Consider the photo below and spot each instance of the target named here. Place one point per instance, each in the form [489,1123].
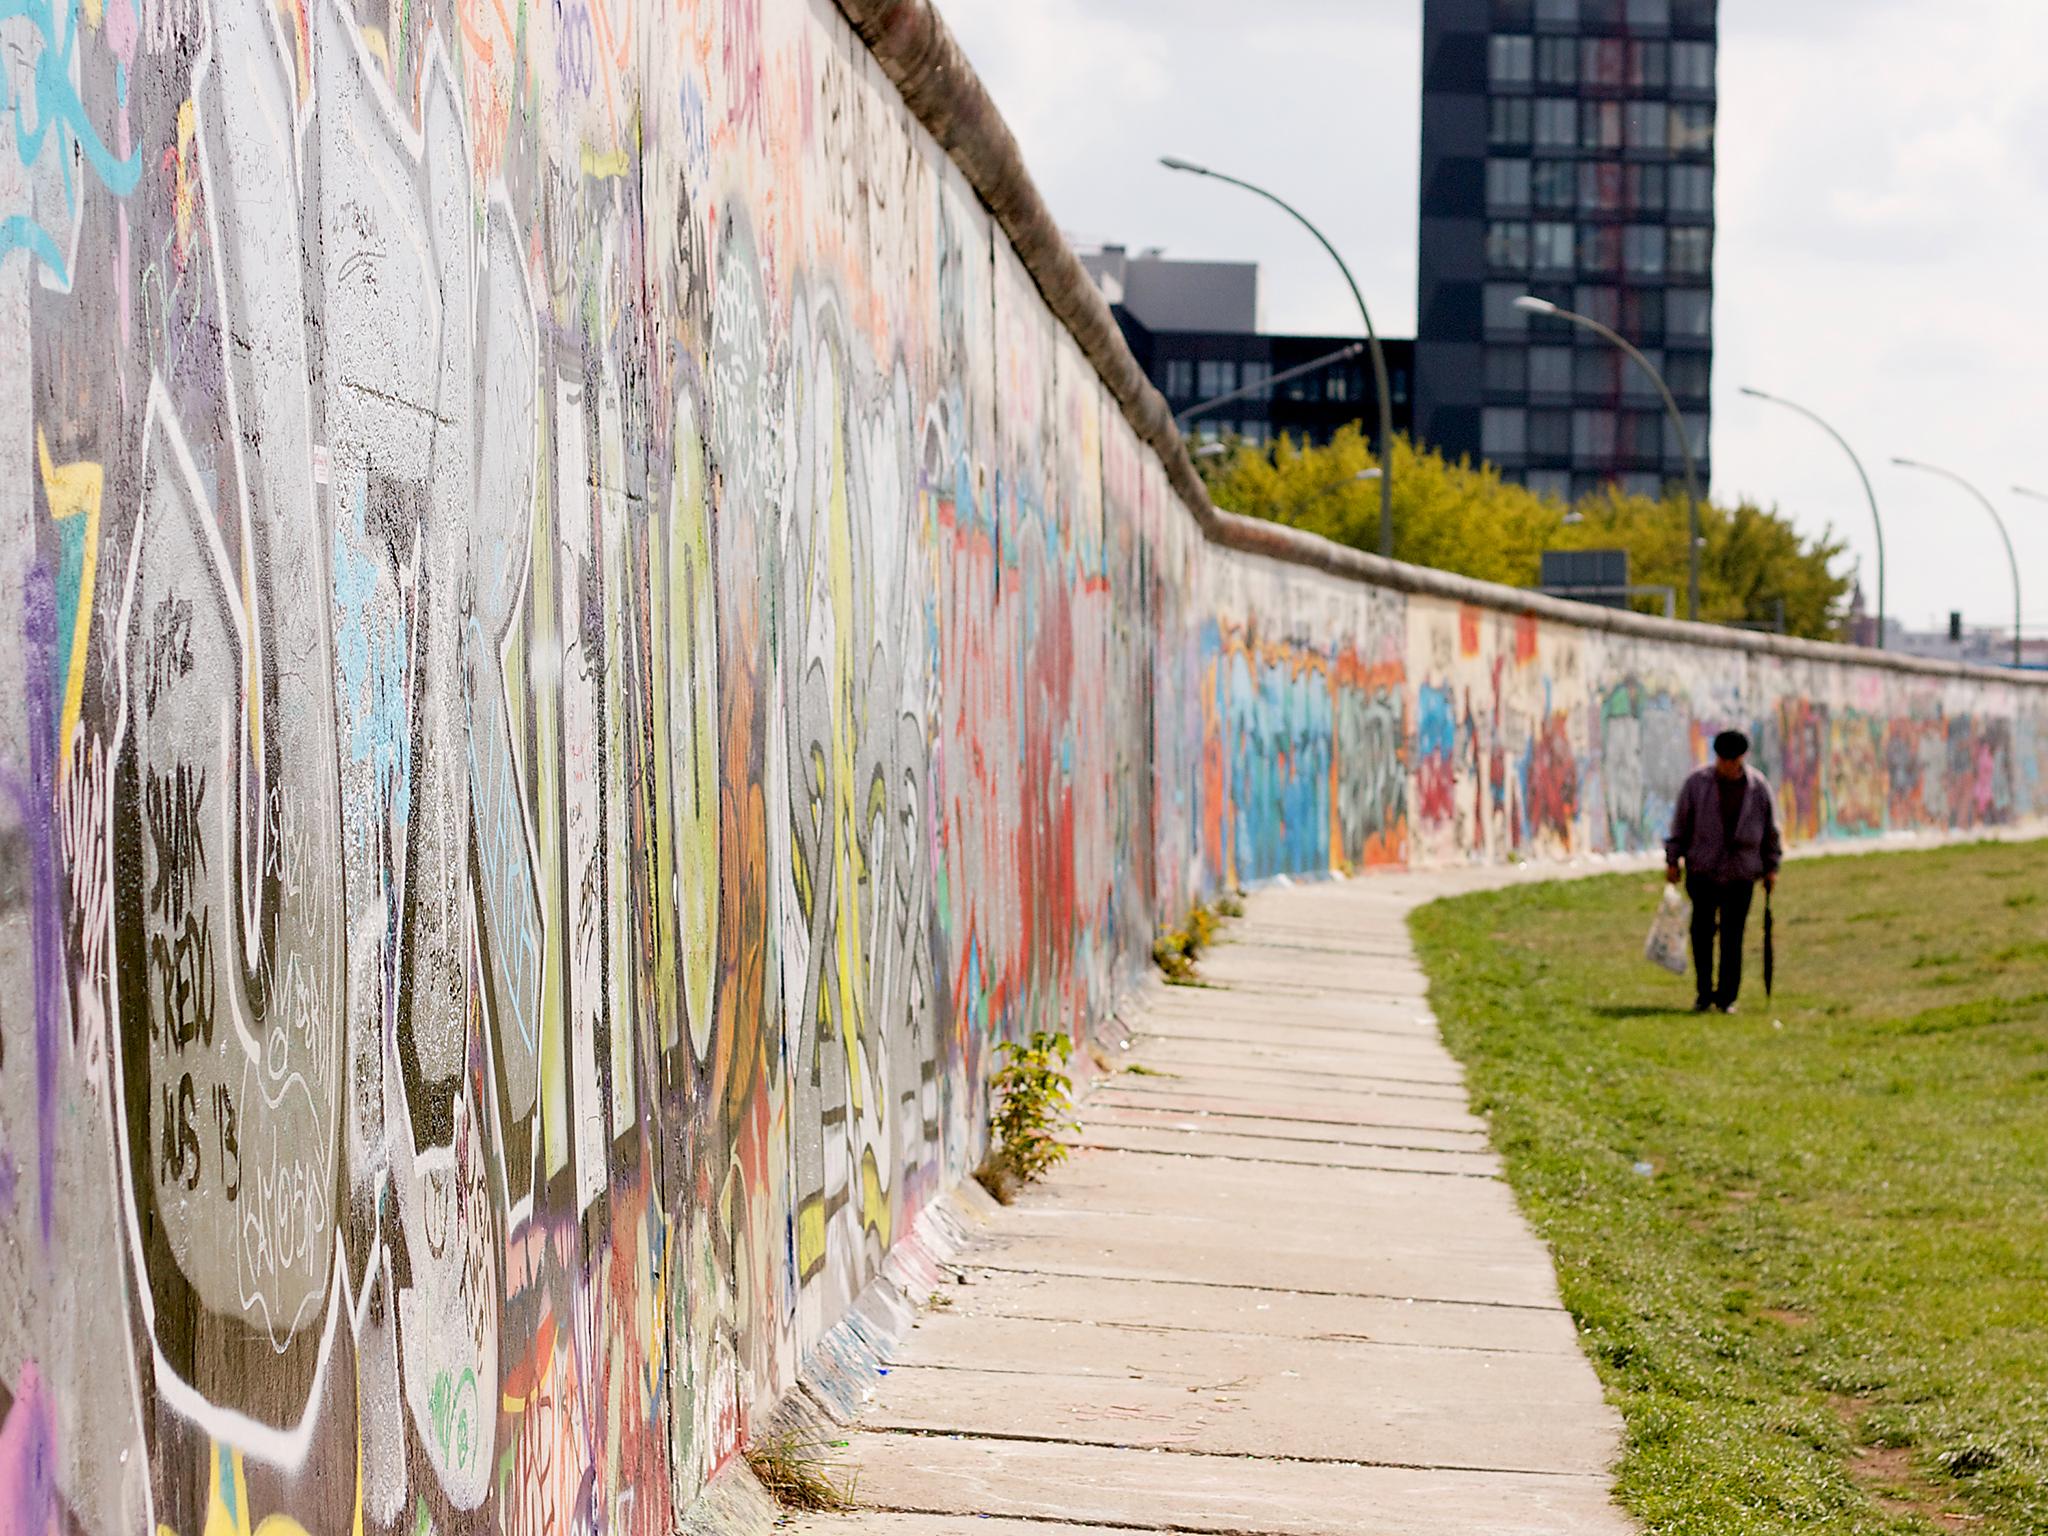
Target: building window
[1655,14]
[1599,125]
[1556,123]
[1180,378]
[1507,370]
[1557,13]
[1550,434]
[1645,189]
[1686,375]
[1646,125]
[1688,314]
[1641,436]
[1554,483]
[1635,384]
[1215,376]
[1599,186]
[1592,434]
[1599,248]
[1692,128]
[1511,15]
[1695,432]
[1507,245]
[1642,314]
[1642,250]
[1550,370]
[1255,376]
[1503,430]
[1596,371]
[1509,60]
[1646,63]
[1597,301]
[1260,432]
[1550,184]
[1500,311]
[1557,61]
[1508,120]
[1603,62]
[1693,15]
[1692,251]
[1692,188]
[1692,66]
[1507,183]
[1553,247]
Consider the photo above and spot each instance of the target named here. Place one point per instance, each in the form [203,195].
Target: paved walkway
[1281,1287]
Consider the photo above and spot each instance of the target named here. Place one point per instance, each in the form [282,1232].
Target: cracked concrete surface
[1279,1288]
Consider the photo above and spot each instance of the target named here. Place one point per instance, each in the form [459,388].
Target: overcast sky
[1883,217]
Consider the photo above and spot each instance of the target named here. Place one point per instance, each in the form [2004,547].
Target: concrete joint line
[1018,1437]
[1267,1290]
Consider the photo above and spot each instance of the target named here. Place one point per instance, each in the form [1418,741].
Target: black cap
[1730,745]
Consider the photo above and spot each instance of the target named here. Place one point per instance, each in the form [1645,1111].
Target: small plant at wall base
[1176,950]
[795,1475]
[1033,1094]
[1174,955]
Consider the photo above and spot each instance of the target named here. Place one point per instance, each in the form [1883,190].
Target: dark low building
[1193,327]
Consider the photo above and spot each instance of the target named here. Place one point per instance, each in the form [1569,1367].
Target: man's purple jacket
[1698,838]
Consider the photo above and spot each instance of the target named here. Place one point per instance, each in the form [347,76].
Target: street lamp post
[1999,522]
[1535,306]
[1372,340]
[1793,405]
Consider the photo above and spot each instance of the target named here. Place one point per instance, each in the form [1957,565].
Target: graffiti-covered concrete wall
[577,643]
[1349,724]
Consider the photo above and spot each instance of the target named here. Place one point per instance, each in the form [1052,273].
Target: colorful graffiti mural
[576,646]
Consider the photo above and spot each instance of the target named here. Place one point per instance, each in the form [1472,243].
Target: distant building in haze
[1567,152]
[1194,328]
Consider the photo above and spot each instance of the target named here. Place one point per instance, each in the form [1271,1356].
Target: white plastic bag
[1670,933]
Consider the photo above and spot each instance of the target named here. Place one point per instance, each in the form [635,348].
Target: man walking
[1725,832]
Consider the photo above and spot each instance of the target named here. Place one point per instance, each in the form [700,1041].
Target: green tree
[1463,517]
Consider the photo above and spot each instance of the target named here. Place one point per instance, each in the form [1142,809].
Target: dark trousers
[1722,905]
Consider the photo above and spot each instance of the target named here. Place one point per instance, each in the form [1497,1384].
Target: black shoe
[1703,1005]
[1727,1007]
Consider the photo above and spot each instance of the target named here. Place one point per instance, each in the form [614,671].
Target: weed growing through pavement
[1177,949]
[796,1475]
[1033,1094]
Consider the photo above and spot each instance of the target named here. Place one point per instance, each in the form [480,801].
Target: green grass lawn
[1825,1304]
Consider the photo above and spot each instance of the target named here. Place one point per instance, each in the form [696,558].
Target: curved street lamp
[1531,304]
[2011,558]
[1372,340]
[1793,405]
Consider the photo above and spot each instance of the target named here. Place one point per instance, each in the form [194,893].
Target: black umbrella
[1770,949]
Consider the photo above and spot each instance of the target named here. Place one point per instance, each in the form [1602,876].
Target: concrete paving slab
[1362,1106]
[1346,1203]
[1168,1116]
[1206,1142]
[1235,1393]
[1440,1408]
[1229,1495]
[1117,1246]
[1204,1307]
